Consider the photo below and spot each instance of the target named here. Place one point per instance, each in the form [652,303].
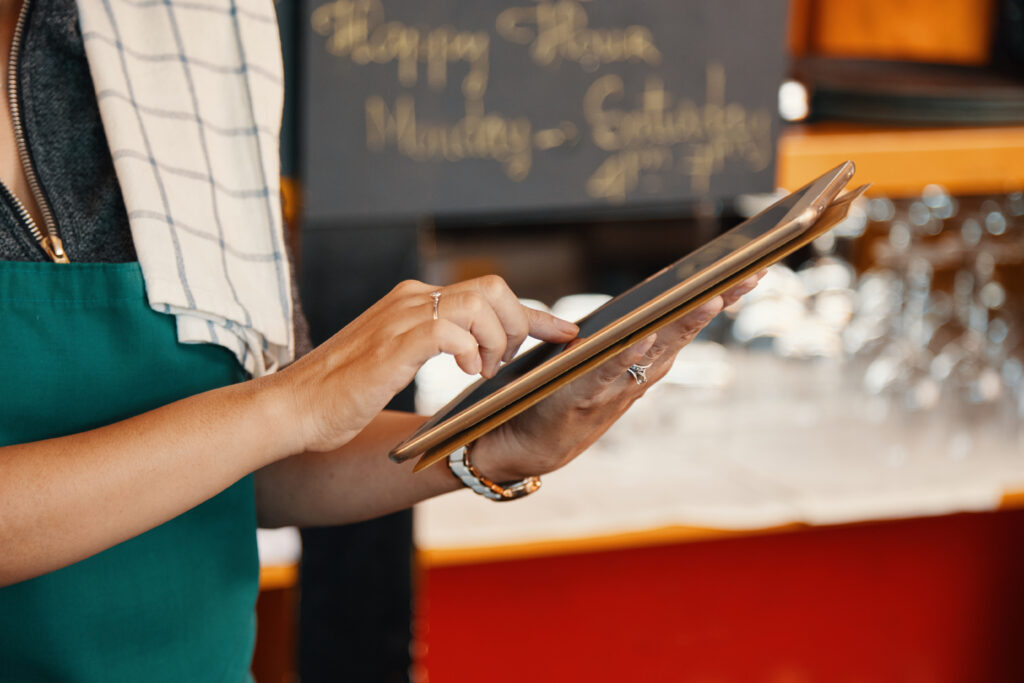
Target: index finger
[519,320]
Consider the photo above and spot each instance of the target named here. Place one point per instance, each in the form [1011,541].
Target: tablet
[785,226]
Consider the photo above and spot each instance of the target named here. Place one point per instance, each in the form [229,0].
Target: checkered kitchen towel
[190,93]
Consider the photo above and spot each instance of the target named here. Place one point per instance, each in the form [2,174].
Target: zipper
[45,235]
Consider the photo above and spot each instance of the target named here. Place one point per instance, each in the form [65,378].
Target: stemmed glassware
[937,327]
[932,328]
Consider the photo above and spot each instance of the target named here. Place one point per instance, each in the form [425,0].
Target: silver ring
[639,372]
[435,296]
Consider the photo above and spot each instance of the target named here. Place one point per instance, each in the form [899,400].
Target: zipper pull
[54,248]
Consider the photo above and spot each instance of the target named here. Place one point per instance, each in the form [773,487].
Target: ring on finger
[639,372]
[435,297]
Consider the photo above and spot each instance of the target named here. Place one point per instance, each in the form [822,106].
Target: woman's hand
[337,389]
[357,481]
[556,430]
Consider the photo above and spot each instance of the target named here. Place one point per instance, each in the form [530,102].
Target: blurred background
[829,485]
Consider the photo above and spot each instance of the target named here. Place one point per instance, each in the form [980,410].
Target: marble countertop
[783,442]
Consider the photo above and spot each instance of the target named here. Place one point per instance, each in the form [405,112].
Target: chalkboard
[454,107]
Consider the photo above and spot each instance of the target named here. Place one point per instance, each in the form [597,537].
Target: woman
[134,467]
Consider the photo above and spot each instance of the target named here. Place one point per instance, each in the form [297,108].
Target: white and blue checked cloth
[190,93]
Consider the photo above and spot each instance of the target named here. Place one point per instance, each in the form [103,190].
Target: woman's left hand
[556,430]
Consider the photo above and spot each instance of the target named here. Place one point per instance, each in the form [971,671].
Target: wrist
[275,416]
[460,465]
[492,463]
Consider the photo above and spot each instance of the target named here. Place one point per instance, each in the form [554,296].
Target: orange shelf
[446,557]
[275,577]
[899,162]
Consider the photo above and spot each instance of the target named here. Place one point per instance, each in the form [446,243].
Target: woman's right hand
[338,388]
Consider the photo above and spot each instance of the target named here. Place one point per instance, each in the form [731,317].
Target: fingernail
[566,326]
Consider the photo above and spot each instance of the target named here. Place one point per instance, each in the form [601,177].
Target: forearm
[350,484]
[64,499]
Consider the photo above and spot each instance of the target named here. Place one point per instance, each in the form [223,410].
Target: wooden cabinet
[951,31]
[900,161]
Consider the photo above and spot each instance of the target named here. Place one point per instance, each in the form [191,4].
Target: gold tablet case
[703,274]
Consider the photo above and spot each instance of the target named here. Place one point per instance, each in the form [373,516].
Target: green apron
[80,348]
